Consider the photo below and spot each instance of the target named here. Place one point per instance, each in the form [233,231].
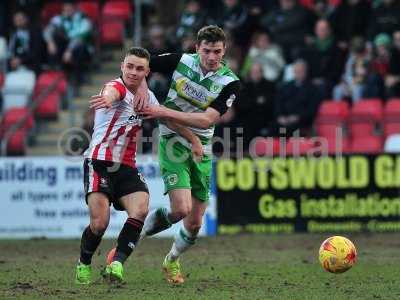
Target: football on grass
[337,254]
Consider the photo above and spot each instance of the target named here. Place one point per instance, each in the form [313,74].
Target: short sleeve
[227,96]
[119,87]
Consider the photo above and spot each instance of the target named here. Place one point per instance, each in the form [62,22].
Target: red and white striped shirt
[115,129]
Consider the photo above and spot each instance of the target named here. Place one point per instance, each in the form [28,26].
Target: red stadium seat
[299,146]
[391,119]
[16,144]
[266,146]
[390,128]
[364,116]
[367,144]
[49,10]
[48,78]
[13,116]
[117,9]
[91,9]
[112,32]
[330,110]
[49,107]
[331,116]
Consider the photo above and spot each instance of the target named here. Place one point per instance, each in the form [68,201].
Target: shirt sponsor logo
[188,91]
[134,120]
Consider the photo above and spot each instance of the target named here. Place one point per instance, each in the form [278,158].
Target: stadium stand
[391,118]
[375,119]
[367,144]
[18,88]
[331,117]
[365,116]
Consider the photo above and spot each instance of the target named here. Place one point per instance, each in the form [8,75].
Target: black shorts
[113,179]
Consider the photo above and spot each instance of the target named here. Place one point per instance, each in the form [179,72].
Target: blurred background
[313,65]
[326,69]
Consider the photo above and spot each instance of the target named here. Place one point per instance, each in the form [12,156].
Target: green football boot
[172,270]
[83,274]
[114,271]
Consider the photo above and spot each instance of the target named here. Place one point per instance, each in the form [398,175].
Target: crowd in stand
[290,54]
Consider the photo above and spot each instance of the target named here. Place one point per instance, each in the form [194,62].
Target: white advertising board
[44,197]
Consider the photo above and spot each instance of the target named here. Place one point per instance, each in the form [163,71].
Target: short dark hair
[139,52]
[211,34]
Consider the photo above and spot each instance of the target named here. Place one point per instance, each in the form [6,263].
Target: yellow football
[337,254]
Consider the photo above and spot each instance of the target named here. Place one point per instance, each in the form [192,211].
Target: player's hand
[141,99]
[197,150]
[152,111]
[100,101]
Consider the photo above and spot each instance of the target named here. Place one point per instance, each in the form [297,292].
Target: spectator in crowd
[385,18]
[254,111]
[358,81]
[158,44]
[381,54]
[5,18]
[68,37]
[325,58]
[289,26]
[191,20]
[25,45]
[350,19]
[233,18]
[157,41]
[392,79]
[267,54]
[188,43]
[296,102]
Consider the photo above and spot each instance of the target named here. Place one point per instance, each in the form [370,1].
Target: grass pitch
[225,267]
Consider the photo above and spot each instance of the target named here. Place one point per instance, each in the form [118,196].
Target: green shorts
[180,171]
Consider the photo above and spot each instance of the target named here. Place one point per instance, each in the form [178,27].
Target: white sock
[183,241]
[156,221]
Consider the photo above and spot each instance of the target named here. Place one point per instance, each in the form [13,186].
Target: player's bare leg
[184,239]
[136,205]
[160,219]
[99,210]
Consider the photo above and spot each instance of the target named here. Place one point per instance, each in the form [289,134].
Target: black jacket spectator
[289,26]
[191,20]
[296,102]
[325,58]
[351,19]
[392,80]
[254,112]
[25,45]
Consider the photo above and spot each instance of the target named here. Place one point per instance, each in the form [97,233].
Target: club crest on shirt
[171,179]
[215,88]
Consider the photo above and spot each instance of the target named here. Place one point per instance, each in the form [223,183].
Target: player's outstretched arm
[197,147]
[202,120]
[105,99]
